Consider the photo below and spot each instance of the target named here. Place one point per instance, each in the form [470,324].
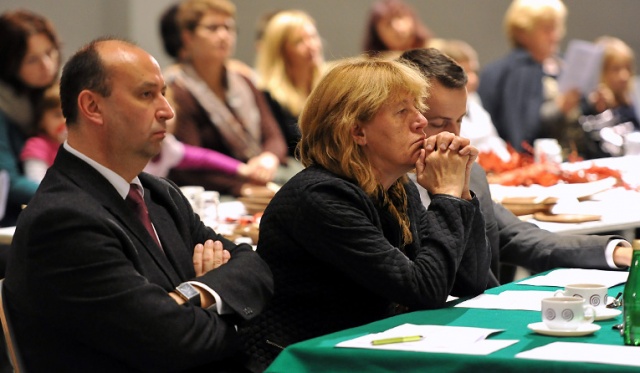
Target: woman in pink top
[39,151]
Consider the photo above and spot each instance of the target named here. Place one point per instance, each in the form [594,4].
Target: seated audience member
[217,108]
[124,288]
[172,43]
[347,239]
[393,26]
[289,64]
[39,151]
[175,154]
[520,90]
[513,241]
[612,99]
[476,124]
[29,63]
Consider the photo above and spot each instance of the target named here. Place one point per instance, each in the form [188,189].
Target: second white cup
[594,294]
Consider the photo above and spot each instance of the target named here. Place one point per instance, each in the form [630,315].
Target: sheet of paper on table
[529,300]
[436,338]
[566,276]
[584,352]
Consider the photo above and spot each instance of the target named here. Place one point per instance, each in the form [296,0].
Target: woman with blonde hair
[289,64]
[616,82]
[520,91]
[347,239]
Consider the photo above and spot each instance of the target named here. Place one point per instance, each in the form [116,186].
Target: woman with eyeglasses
[218,108]
[29,64]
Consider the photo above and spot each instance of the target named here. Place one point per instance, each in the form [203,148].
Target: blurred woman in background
[216,107]
[289,64]
[29,64]
[616,82]
[393,27]
[520,91]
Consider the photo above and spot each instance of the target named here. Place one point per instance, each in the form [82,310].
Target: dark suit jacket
[511,91]
[87,286]
[520,243]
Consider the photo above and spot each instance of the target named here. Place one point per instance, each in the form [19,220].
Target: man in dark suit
[512,241]
[88,286]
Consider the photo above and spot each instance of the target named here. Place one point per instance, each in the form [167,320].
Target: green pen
[386,341]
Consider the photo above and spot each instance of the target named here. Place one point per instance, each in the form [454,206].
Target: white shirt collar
[121,185]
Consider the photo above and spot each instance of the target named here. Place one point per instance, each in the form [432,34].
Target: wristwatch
[189,293]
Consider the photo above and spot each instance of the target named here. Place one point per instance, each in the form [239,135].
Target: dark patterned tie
[135,201]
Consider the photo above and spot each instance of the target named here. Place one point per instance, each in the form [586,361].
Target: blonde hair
[351,93]
[524,15]
[460,51]
[191,12]
[616,48]
[271,61]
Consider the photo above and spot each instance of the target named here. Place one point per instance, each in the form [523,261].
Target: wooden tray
[528,205]
[565,218]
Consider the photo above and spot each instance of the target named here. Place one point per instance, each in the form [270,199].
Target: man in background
[512,241]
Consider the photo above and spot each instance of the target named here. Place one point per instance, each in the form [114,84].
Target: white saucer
[541,328]
[606,313]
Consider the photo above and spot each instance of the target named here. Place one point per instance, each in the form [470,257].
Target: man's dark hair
[436,65]
[84,70]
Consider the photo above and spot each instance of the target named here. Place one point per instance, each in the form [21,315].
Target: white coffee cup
[547,150]
[210,204]
[193,193]
[594,294]
[566,313]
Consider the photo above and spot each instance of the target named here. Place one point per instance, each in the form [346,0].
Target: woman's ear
[359,134]
[89,106]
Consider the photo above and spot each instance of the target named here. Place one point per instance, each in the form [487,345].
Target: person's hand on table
[263,167]
[248,172]
[622,255]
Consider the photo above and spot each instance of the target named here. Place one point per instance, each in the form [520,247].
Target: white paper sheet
[583,62]
[566,276]
[585,352]
[529,300]
[436,338]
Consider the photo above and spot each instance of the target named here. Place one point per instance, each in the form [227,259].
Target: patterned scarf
[237,119]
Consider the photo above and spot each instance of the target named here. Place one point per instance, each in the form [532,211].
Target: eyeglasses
[214,27]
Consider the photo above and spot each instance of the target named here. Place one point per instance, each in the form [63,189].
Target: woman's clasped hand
[445,165]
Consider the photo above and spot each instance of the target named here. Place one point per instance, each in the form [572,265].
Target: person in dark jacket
[513,242]
[347,239]
[96,285]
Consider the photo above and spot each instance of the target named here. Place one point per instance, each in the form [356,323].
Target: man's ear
[89,106]
[359,134]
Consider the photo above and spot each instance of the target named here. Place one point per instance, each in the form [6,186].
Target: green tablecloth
[320,354]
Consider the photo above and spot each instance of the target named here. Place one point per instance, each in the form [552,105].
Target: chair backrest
[12,347]
[4,191]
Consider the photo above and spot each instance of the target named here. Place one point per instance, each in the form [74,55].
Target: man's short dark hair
[84,70]
[436,65]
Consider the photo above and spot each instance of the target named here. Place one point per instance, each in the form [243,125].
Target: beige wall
[340,22]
